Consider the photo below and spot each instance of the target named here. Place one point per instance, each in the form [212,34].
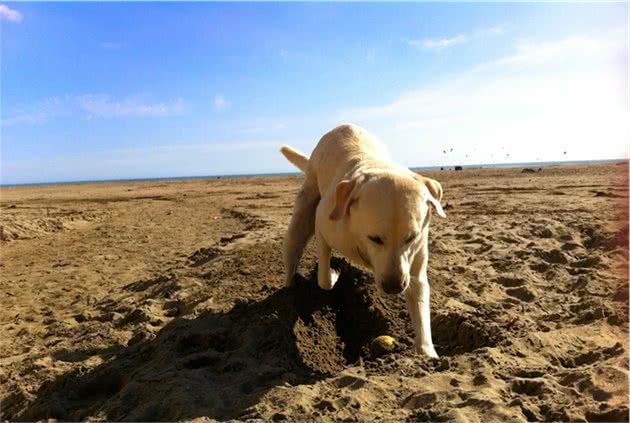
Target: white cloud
[438,43]
[220,103]
[547,98]
[579,48]
[8,14]
[446,42]
[91,106]
[103,106]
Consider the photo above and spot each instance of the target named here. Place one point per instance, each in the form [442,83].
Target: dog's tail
[298,159]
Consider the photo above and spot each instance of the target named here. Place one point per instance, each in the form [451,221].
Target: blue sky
[130,90]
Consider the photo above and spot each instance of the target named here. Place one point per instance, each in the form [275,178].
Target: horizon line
[271,174]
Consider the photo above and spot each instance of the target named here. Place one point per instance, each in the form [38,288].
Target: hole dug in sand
[457,333]
[338,325]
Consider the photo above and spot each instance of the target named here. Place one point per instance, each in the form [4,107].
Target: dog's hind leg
[301,228]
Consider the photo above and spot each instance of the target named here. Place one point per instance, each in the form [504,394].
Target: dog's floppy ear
[433,193]
[343,196]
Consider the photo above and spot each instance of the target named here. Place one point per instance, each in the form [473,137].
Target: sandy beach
[154,301]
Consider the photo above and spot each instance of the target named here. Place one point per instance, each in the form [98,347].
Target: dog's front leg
[418,304]
[326,277]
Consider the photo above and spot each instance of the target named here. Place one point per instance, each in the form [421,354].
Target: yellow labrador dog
[373,212]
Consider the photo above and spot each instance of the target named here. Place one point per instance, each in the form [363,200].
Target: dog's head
[388,214]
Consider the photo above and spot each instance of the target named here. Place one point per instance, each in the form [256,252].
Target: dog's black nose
[392,286]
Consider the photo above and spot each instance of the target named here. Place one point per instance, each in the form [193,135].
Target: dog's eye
[376,239]
[411,238]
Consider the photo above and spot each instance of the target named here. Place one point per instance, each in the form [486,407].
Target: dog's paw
[429,351]
[426,350]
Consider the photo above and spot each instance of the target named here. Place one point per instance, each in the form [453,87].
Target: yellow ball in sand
[383,345]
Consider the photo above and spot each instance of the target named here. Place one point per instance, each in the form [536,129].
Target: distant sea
[253,175]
